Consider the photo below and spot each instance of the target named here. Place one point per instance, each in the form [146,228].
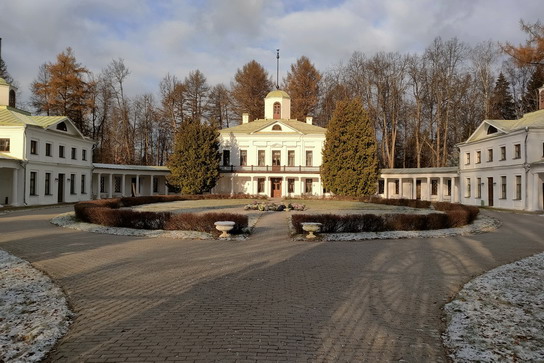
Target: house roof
[278,93]
[530,120]
[10,116]
[3,82]
[8,157]
[257,125]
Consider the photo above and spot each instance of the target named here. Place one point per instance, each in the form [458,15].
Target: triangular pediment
[276,127]
[66,127]
[488,129]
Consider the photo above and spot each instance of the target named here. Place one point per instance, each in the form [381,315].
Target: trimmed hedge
[107,212]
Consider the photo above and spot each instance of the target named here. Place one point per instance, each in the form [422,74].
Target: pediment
[486,130]
[66,127]
[276,127]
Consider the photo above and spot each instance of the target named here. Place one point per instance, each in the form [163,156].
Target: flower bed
[107,212]
[276,207]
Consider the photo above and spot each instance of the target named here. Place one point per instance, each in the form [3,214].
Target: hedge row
[106,212]
[353,223]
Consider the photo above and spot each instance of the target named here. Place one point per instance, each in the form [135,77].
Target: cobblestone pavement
[266,298]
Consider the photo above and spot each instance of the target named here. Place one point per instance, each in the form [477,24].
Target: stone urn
[311,228]
[225,227]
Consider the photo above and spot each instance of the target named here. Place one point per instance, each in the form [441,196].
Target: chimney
[541,98]
[309,120]
[245,118]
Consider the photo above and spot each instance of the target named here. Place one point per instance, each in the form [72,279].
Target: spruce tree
[195,162]
[502,103]
[350,162]
[530,97]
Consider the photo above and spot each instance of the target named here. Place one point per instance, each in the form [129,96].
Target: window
[276,128]
[517,151]
[102,184]
[243,157]
[117,184]
[260,185]
[276,157]
[33,147]
[503,187]
[260,157]
[489,155]
[74,152]
[449,188]
[491,130]
[83,154]
[226,157]
[4,144]
[518,187]
[308,185]
[291,157]
[62,126]
[277,110]
[155,185]
[47,183]
[61,151]
[83,184]
[503,153]
[47,149]
[478,157]
[33,175]
[381,186]
[72,183]
[478,187]
[290,185]
[309,157]
[397,186]
[434,187]
[11,101]
[467,158]
[467,191]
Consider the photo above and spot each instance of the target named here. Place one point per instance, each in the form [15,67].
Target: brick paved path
[265,298]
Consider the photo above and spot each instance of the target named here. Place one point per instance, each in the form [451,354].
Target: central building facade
[275,156]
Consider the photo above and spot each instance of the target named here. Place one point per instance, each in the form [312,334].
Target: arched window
[276,128]
[491,130]
[11,102]
[277,110]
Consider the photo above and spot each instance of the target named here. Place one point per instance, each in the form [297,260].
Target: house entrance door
[60,191]
[490,191]
[418,189]
[276,187]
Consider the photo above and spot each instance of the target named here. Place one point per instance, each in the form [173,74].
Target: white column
[386,188]
[267,187]
[252,186]
[14,201]
[454,192]
[110,183]
[165,185]
[283,187]
[319,187]
[123,185]
[231,184]
[537,197]
[441,189]
[301,186]
[414,184]
[428,188]
[137,192]
[151,177]
[99,178]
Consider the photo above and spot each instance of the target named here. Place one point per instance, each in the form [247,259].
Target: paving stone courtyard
[267,298]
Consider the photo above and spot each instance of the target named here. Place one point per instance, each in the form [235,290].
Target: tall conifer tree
[502,103]
[195,161]
[350,162]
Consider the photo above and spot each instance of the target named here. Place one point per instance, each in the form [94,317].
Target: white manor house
[46,160]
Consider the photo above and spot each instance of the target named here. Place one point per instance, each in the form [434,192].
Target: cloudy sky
[155,37]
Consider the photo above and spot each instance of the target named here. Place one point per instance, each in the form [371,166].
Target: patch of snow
[499,316]
[33,311]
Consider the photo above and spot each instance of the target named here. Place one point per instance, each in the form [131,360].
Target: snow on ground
[499,316]
[33,311]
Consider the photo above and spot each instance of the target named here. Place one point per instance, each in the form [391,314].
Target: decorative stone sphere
[311,228]
[225,227]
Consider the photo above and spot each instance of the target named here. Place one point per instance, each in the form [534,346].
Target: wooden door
[490,192]
[276,187]
[60,190]
[418,189]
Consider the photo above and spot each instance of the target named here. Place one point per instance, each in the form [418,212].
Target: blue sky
[155,37]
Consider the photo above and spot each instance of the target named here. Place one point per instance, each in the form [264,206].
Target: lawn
[324,204]
[191,206]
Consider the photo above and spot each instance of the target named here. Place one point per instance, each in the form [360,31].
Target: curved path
[264,298]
